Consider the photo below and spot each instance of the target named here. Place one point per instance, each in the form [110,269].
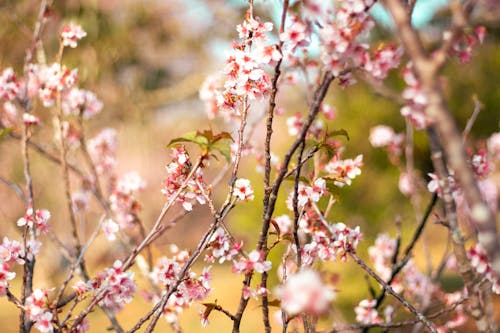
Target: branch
[421,318]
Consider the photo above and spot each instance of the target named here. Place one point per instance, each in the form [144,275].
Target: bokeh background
[146,61]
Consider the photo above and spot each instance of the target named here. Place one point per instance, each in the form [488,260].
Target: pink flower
[79,101]
[110,228]
[71,34]
[366,312]
[344,170]
[38,220]
[254,262]
[9,87]
[102,148]
[295,124]
[30,119]
[43,322]
[381,136]
[243,190]
[304,292]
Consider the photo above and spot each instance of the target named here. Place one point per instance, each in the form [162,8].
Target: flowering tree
[314,45]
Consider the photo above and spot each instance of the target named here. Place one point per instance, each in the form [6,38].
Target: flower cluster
[339,46]
[81,102]
[464,46]
[178,171]
[344,171]
[193,288]
[416,100]
[102,148]
[328,241]
[50,80]
[255,262]
[479,260]
[383,61]
[36,308]
[304,292]
[366,312]
[70,34]
[244,76]
[123,202]
[220,247]
[9,86]
[307,195]
[39,220]
[117,285]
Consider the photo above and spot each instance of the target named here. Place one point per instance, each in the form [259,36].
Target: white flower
[243,190]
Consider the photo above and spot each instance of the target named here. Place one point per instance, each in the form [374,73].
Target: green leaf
[193,137]
[223,147]
[5,131]
[340,132]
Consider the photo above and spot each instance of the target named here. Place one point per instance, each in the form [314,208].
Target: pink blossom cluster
[47,81]
[340,48]
[381,255]
[5,276]
[304,292]
[220,247]
[244,75]
[117,285]
[344,170]
[481,164]
[410,280]
[102,148]
[254,262]
[39,220]
[416,100]
[328,241]
[193,288]
[366,312]
[307,195]
[464,46]
[9,86]
[384,59]
[36,308]
[479,260]
[178,171]
[417,287]
[123,201]
[81,102]
[8,115]
[70,34]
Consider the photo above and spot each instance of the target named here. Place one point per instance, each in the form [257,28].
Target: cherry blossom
[344,171]
[78,101]
[119,287]
[366,312]
[11,251]
[220,247]
[71,34]
[102,148]
[304,292]
[243,190]
[39,219]
[9,87]
[123,201]
[381,136]
[110,228]
[8,115]
[178,171]
[254,262]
